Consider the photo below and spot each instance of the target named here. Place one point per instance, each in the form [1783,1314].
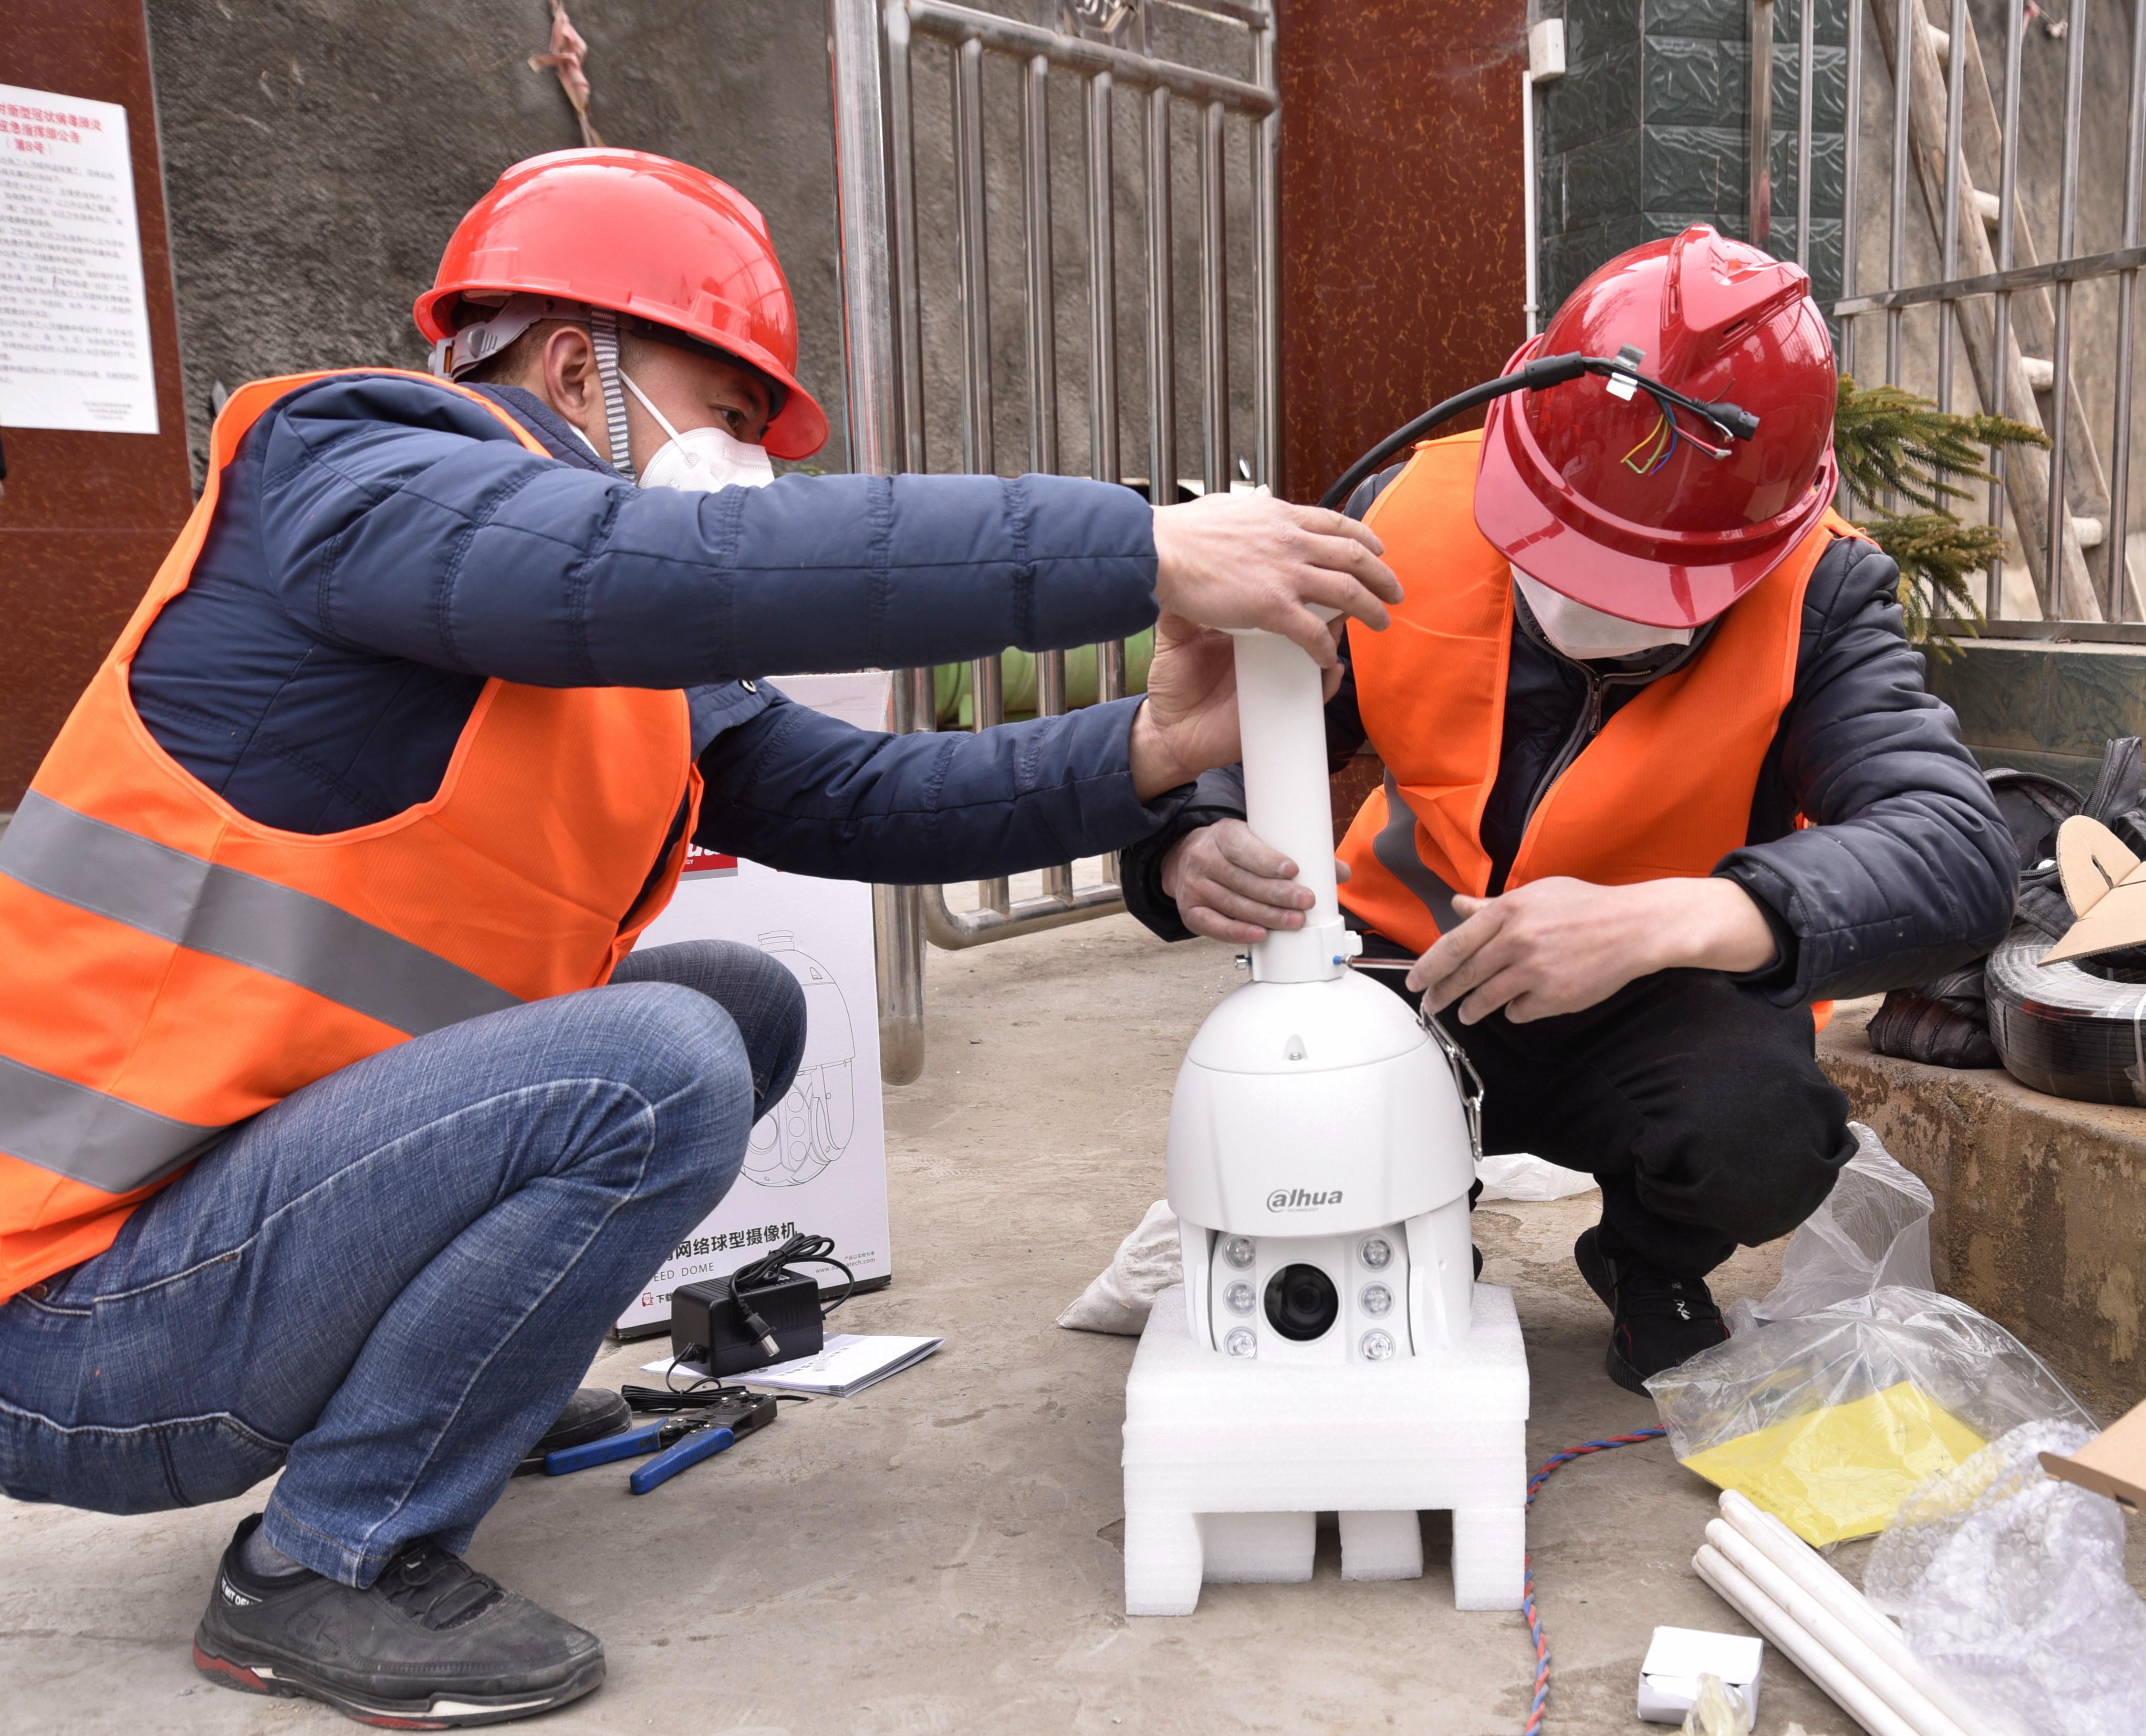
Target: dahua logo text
[1298,1200]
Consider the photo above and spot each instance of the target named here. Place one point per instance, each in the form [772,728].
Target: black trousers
[1696,1103]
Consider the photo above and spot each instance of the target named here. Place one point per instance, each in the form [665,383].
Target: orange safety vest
[169,967]
[1664,791]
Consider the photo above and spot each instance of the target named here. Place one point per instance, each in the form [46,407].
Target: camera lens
[1302,1302]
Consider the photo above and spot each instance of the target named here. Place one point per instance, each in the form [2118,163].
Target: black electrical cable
[667,1399]
[774,1267]
[1733,419]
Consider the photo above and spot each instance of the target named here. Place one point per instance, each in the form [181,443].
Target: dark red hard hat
[1588,492]
[641,235]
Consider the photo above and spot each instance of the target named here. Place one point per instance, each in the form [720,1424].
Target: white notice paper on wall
[74,315]
[817,1163]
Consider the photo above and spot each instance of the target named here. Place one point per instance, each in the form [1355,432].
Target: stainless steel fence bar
[1910,18]
[1042,310]
[1955,175]
[2067,240]
[1100,202]
[1851,155]
[1042,285]
[978,444]
[1103,459]
[2075,270]
[2127,295]
[870,366]
[909,307]
[1007,35]
[1266,271]
[1161,312]
[1214,304]
[2007,190]
[1758,134]
[1806,22]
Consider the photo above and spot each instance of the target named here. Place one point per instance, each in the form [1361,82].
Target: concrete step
[2041,1204]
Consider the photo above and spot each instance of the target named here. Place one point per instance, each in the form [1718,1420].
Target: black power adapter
[712,1324]
[763,1312]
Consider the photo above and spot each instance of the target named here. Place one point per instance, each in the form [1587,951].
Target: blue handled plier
[677,1442]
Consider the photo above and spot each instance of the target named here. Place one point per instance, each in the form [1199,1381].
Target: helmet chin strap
[603,337]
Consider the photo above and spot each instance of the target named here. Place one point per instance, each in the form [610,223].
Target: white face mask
[700,460]
[1584,634]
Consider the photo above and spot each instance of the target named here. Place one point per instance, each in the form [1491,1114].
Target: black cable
[667,1399]
[773,1267]
[1544,372]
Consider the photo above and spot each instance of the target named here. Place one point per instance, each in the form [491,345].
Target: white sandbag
[1522,1175]
[1146,1263]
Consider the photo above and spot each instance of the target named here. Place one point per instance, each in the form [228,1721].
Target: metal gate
[878,49]
[2006,292]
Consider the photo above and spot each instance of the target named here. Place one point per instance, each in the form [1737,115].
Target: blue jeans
[390,1283]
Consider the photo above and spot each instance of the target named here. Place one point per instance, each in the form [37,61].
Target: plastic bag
[1718,1711]
[1827,1421]
[1872,1230]
[2012,1585]
[1522,1175]
[1146,1263]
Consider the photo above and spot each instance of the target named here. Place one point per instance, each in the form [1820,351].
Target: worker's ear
[567,376]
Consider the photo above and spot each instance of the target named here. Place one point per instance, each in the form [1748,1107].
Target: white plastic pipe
[1282,714]
[1818,1576]
[1861,1660]
[1841,1684]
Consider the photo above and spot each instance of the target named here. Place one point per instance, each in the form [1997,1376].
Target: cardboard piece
[2112,1464]
[817,1163]
[2105,885]
[1677,1657]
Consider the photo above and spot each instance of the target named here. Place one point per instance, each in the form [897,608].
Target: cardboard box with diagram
[817,1163]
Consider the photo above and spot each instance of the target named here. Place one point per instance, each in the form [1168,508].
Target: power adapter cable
[1554,1462]
[774,1268]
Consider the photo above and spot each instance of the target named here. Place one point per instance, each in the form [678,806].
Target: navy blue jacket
[382,546]
[1905,870]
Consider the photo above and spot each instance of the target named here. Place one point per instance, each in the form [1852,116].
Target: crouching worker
[338,1118]
[1660,773]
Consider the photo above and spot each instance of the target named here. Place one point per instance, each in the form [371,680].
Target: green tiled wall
[1644,134]
[2043,707]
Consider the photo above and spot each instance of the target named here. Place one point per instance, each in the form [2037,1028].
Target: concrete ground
[940,1554]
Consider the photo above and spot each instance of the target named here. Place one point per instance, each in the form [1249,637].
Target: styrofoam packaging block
[1208,1435]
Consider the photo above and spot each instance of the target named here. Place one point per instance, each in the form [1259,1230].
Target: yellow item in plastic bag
[1841,1470]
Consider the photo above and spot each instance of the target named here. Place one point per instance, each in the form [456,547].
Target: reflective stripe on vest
[169,967]
[1664,789]
[242,917]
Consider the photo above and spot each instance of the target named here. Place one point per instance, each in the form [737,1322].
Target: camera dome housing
[1314,1109]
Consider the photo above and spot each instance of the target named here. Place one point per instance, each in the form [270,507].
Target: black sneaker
[1656,1321]
[433,1644]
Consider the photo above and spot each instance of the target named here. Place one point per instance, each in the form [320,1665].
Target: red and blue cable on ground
[1533,1725]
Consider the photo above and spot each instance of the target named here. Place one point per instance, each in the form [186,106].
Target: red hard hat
[643,236]
[1588,493]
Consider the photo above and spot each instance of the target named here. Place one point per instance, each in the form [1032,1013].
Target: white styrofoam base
[1228,1462]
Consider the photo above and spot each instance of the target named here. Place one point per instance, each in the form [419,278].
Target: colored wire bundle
[1533,1725]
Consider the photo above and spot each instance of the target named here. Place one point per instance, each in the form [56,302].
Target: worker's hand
[1230,886]
[1562,946]
[1188,720]
[1251,560]
[1189,723]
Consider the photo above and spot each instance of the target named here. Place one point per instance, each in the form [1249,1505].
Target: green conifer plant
[1892,444]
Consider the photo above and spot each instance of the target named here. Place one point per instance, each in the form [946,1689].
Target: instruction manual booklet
[849,1363]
